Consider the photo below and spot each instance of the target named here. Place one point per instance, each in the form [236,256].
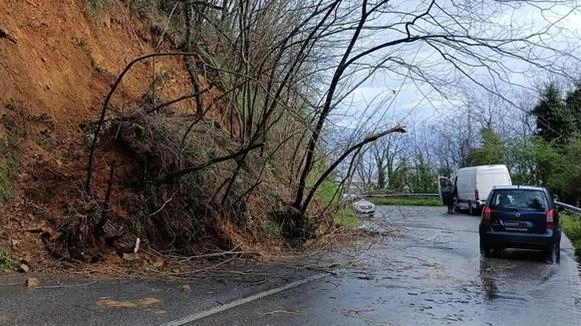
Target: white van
[473,184]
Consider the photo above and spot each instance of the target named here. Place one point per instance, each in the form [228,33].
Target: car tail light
[486,215]
[476,194]
[550,222]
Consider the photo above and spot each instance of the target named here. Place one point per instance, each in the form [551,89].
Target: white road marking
[239,302]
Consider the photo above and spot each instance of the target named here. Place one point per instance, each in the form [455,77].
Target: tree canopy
[491,151]
[555,120]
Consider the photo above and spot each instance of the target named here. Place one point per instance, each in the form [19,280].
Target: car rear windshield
[519,199]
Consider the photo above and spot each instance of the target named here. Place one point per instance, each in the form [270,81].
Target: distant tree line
[539,141]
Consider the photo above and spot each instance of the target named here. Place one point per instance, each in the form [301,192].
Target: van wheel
[470,209]
[456,207]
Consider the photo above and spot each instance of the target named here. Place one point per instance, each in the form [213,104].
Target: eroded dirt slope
[58,59]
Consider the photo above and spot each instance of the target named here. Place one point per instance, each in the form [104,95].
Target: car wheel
[485,250]
[553,254]
[456,207]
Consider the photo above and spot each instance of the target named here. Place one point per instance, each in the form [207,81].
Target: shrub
[571,225]
[6,262]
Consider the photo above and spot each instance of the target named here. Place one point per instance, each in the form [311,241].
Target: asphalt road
[427,272]
[431,273]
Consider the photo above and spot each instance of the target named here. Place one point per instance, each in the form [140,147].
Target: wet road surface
[429,272]
[70,300]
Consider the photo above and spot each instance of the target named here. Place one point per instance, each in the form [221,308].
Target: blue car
[520,217]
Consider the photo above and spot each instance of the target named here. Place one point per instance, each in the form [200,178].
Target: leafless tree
[285,67]
[386,152]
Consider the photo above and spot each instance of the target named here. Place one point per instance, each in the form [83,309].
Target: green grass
[328,196]
[347,218]
[327,193]
[10,150]
[571,225]
[6,262]
[393,201]
[5,177]
[93,8]
[82,42]
[271,229]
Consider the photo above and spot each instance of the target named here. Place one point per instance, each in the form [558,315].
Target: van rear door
[490,176]
[466,184]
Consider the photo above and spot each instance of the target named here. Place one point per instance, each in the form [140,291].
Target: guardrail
[570,208]
[567,207]
[404,194]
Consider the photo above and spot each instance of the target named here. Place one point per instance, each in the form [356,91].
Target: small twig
[356,311]
[197,271]
[6,35]
[161,208]
[235,155]
[281,312]
[320,269]
[219,254]
[136,248]
[233,251]
[105,210]
[66,286]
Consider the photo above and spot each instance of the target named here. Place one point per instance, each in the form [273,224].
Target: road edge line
[239,302]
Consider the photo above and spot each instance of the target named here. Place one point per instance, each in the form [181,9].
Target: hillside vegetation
[157,120]
[183,127]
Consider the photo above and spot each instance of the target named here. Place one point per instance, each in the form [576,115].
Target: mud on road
[427,271]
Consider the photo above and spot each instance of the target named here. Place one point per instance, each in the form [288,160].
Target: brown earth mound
[58,59]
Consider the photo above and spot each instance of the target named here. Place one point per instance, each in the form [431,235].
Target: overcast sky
[404,98]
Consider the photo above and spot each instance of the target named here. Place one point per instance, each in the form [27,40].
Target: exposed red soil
[57,64]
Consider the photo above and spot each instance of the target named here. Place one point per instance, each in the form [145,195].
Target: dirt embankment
[58,59]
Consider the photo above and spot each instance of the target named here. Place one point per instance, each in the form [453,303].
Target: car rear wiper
[511,209]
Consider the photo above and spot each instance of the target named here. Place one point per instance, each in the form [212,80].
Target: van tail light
[550,222]
[486,215]
[476,194]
